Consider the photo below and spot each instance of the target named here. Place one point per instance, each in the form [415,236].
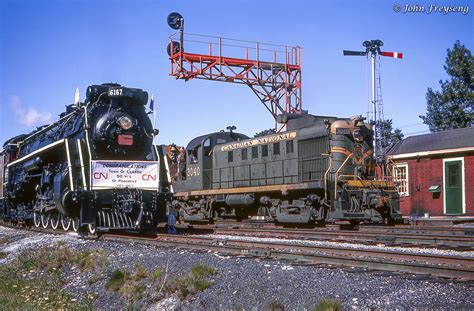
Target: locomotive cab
[199,160]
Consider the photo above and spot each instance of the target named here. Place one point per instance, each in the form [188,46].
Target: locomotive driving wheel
[45,220]
[54,220]
[37,219]
[65,222]
[75,224]
[91,229]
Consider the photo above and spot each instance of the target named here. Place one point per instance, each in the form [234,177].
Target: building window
[276,148]
[289,146]
[243,154]
[254,152]
[400,175]
[230,156]
[264,151]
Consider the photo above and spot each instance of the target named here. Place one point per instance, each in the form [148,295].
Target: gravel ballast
[241,282]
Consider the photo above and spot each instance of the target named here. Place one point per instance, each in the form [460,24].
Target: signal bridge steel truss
[273,72]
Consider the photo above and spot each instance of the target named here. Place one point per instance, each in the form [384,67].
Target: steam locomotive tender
[320,170]
[95,168]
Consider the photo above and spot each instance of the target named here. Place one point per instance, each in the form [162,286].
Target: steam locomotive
[94,168]
[321,169]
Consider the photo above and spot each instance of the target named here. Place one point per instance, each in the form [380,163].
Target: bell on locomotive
[94,168]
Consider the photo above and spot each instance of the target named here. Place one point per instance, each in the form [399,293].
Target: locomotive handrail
[44,128]
[325,178]
[337,172]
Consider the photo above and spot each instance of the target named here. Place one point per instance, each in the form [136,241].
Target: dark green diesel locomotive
[321,169]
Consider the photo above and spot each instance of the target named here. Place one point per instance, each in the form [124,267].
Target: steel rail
[448,241]
[442,266]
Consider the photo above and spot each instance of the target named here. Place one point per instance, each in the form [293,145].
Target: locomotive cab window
[192,156]
[264,151]
[254,152]
[230,156]
[221,141]
[289,146]
[243,153]
[276,148]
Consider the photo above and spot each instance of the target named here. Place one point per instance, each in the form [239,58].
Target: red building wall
[426,172]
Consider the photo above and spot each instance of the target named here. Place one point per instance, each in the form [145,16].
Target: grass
[192,282]
[274,306]
[49,258]
[200,270]
[129,284]
[115,281]
[156,274]
[33,280]
[328,304]
[3,255]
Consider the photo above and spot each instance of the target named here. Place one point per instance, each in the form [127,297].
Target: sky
[48,48]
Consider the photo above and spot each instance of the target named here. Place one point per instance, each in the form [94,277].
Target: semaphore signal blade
[354,53]
[392,54]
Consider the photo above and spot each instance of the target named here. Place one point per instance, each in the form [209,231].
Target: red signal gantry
[273,72]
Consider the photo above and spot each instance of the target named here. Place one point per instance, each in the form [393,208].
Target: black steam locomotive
[321,169]
[95,168]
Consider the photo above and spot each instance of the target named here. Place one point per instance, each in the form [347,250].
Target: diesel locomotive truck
[321,169]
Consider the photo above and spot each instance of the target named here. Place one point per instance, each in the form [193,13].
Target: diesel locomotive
[94,168]
[321,169]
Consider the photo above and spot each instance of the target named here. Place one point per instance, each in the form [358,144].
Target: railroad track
[457,267]
[438,237]
[448,266]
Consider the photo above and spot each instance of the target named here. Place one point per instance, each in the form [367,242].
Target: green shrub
[201,284]
[140,273]
[132,291]
[156,274]
[115,281]
[200,270]
[328,304]
[274,306]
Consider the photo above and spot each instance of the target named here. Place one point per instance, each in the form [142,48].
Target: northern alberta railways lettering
[259,141]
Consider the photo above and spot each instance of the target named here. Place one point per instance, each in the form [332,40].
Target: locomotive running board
[282,188]
[47,147]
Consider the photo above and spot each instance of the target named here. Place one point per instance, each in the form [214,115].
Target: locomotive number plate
[342,131]
[115,92]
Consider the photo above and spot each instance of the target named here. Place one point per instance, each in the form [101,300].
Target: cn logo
[101,175]
[147,177]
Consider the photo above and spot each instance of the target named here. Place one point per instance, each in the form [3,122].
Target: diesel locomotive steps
[96,167]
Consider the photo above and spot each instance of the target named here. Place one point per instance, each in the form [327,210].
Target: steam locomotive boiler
[320,170]
[94,168]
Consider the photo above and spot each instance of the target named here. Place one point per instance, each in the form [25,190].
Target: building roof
[451,139]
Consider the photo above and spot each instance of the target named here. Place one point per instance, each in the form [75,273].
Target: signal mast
[372,47]
[273,72]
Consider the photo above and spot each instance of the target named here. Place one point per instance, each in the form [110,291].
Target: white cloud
[29,116]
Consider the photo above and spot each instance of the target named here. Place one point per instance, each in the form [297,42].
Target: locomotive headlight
[125,123]
[358,136]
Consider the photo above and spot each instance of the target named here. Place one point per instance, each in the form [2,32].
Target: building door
[453,187]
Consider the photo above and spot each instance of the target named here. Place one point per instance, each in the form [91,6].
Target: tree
[265,132]
[389,135]
[452,107]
